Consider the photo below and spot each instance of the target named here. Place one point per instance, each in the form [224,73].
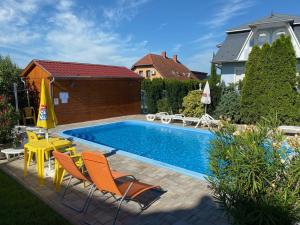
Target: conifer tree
[215,88]
[250,107]
[265,72]
[282,97]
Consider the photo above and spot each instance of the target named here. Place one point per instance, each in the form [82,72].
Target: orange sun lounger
[67,163]
[103,179]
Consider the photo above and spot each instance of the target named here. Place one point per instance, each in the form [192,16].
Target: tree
[215,89]
[282,94]
[270,86]
[250,108]
[9,74]
[8,119]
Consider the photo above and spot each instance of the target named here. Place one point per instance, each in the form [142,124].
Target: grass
[18,206]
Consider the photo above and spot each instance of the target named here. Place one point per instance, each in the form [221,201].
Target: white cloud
[200,61]
[205,37]
[64,35]
[228,10]
[206,44]
[177,47]
[124,10]
[162,26]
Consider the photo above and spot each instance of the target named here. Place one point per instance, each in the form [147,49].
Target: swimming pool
[184,150]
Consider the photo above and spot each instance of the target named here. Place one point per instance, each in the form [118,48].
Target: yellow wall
[144,69]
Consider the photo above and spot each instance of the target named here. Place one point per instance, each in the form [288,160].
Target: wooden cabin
[83,92]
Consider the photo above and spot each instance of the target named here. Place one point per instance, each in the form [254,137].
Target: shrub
[255,178]
[9,74]
[153,89]
[250,108]
[163,105]
[192,105]
[8,119]
[173,90]
[229,106]
[270,83]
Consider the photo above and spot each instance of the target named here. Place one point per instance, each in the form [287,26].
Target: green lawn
[19,206]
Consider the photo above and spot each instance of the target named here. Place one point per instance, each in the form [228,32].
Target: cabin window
[263,38]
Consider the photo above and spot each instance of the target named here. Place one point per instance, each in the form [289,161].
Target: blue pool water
[171,146]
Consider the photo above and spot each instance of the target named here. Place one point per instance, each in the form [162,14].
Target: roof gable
[60,69]
[167,67]
[269,19]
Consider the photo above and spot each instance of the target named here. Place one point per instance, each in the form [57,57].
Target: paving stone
[188,201]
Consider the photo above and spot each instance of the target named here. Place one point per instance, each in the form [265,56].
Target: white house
[234,51]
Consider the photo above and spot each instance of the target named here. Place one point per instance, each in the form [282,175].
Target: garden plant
[255,174]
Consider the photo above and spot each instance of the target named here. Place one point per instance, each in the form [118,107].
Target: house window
[148,73]
[141,73]
[263,38]
[278,33]
[239,74]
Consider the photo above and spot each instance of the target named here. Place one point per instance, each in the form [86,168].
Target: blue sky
[119,32]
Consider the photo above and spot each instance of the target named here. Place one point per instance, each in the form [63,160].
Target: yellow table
[40,147]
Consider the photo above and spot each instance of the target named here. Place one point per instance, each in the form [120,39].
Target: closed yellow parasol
[46,118]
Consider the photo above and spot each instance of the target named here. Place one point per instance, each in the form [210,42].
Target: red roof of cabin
[72,69]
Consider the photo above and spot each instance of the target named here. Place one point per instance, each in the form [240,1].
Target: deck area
[187,200]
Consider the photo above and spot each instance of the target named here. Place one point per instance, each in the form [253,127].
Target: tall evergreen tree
[251,91]
[264,81]
[282,97]
[215,88]
[270,84]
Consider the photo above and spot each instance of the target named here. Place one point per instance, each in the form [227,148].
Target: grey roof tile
[231,47]
[268,19]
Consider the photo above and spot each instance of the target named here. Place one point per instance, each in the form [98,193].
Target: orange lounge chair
[67,163]
[102,176]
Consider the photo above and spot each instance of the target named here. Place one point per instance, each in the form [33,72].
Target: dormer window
[263,38]
[278,33]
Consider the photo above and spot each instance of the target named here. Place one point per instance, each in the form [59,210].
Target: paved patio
[187,201]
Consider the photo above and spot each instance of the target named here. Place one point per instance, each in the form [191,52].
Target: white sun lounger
[205,120]
[289,129]
[157,116]
[209,121]
[191,120]
[169,118]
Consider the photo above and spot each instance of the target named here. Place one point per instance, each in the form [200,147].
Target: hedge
[173,90]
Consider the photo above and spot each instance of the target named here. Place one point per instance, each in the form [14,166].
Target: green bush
[229,106]
[192,105]
[163,105]
[8,119]
[270,84]
[255,178]
[173,90]
[153,89]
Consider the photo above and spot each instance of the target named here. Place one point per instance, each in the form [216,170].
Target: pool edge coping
[190,173]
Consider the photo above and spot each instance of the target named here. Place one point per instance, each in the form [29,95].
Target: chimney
[175,58]
[164,54]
